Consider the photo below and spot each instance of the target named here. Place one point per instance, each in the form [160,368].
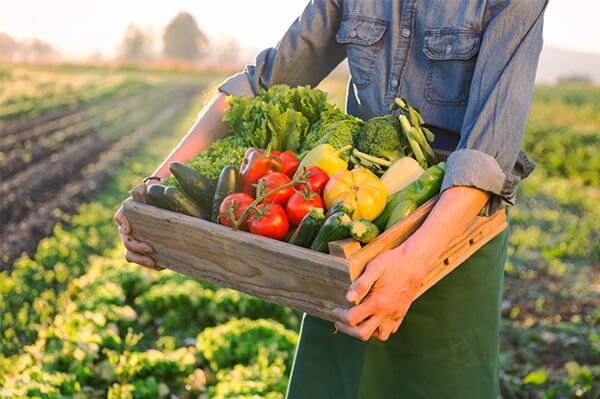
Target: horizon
[250,26]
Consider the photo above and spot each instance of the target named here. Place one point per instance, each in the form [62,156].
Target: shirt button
[395,82]
[406,32]
[448,49]
[354,33]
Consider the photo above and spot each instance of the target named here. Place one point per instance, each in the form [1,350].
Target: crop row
[35,198]
[16,136]
[26,108]
[52,140]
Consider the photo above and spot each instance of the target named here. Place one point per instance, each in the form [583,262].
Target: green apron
[447,346]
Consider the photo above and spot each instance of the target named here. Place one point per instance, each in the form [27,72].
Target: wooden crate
[282,273]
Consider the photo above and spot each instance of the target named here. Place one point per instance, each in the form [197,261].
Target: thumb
[362,285]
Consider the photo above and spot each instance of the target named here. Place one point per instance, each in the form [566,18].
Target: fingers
[363,331]
[361,286]
[385,329]
[134,245]
[136,250]
[356,314]
[122,221]
[133,257]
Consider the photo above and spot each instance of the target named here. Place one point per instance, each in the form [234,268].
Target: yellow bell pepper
[360,188]
[325,157]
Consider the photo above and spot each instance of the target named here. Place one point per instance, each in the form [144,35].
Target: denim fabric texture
[469,66]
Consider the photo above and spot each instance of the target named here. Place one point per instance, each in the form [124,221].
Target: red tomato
[234,204]
[290,162]
[300,203]
[317,178]
[269,221]
[273,180]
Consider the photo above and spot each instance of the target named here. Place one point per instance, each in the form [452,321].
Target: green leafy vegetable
[280,115]
[226,151]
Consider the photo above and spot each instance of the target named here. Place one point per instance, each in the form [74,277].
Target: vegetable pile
[296,168]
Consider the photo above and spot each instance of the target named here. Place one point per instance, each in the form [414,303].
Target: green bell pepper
[412,196]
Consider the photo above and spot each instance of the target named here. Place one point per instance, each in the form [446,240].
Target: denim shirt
[469,66]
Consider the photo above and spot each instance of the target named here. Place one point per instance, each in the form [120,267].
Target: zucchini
[336,227]
[341,206]
[363,230]
[199,188]
[402,210]
[179,202]
[308,228]
[156,195]
[227,184]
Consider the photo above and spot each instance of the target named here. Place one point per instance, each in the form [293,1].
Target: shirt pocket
[363,39]
[451,53]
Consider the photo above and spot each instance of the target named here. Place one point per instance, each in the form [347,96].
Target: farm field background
[76,320]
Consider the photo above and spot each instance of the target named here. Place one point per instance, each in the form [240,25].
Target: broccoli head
[378,143]
[335,128]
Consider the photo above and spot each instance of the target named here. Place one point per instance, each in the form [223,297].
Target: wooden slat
[462,247]
[276,271]
[343,248]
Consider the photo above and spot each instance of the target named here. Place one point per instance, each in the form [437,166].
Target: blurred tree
[183,40]
[8,47]
[136,45]
[37,50]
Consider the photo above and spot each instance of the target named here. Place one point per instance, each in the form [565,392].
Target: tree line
[181,40]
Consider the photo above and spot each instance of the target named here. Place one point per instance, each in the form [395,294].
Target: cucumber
[363,230]
[156,195]
[308,228]
[336,227]
[199,188]
[402,210]
[341,206]
[179,202]
[227,184]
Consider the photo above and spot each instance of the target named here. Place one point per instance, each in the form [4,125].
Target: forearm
[208,127]
[456,207]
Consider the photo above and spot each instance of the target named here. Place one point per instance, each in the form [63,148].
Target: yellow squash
[360,188]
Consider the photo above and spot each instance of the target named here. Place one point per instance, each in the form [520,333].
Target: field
[76,320]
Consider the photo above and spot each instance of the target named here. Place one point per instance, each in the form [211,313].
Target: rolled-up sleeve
[499,101]
[305,55]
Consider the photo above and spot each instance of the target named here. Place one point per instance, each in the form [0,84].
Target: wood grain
[276,271]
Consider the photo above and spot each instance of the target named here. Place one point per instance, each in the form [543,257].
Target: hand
[388,285]
[136,251]
[391,280]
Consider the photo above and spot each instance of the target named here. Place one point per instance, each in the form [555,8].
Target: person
[469,66]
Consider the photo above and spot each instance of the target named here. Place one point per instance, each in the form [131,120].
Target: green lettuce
[281,116]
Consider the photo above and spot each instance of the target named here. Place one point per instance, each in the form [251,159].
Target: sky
[79,28]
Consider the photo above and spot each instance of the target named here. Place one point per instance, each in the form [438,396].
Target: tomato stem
[262,197]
